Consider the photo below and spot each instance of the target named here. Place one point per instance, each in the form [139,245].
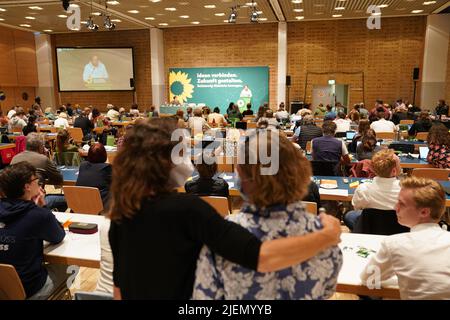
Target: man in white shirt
[421,258]
[197,124]
[61,122]
[95,72]
[12,112]
[18,120]
[112,113]
[342,124]
[382,192]
[383,125]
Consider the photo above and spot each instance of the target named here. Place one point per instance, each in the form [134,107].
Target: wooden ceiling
[47,15]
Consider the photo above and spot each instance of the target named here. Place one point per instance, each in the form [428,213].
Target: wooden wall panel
[26,59]
[338,49]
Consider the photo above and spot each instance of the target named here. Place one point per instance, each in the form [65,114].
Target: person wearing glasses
[24,225]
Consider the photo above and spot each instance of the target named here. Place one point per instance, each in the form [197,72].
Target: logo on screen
[180,86]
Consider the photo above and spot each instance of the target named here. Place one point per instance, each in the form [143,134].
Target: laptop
[350,135]
[423,152]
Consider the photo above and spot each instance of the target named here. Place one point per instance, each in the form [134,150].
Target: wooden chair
[47,129]
[386,135]
[422,136]
[17,130]
[431,173]
[382,222]
[248,118]
[406,121]
[251,125]
[11,287]
[76,134]
[85,200]
[310,207]
[221,204]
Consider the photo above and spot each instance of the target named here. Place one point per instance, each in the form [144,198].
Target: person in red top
[439,145]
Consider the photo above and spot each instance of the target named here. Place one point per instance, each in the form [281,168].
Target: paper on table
[334,192]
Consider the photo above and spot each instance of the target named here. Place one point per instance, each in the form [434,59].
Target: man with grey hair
[35,155]
[47,171]
[305,131]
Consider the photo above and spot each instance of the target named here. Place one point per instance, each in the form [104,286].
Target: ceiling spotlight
[233,15]
[65,4]
[254,16]
[91,25]
[108,24]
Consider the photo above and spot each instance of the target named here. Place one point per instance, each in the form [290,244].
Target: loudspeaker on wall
[288,80]
[416,74]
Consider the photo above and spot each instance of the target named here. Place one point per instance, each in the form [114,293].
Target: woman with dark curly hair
[439,145]
[156,234]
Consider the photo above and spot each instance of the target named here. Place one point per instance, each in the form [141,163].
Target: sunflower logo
[180,86]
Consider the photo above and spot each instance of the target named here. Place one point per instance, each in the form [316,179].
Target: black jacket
[85,124]
[96,175]
[207,187]
[23,228]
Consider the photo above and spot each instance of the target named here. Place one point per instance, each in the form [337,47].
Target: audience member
[382,192]
[145,213]
[207,183]
[271,211]
[439,146]
[95,172]
[27,224]
[368,146]
[420,259]
[328,148]
[61,122]
[423,124]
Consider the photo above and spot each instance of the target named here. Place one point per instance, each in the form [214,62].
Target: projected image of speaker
[95,69]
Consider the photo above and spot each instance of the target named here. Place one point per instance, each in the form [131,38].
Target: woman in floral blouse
[272,209]
[439,145]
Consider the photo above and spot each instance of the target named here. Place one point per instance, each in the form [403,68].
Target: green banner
[217,87]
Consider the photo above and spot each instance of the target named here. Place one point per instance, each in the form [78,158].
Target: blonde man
[382,193]
[421,258]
